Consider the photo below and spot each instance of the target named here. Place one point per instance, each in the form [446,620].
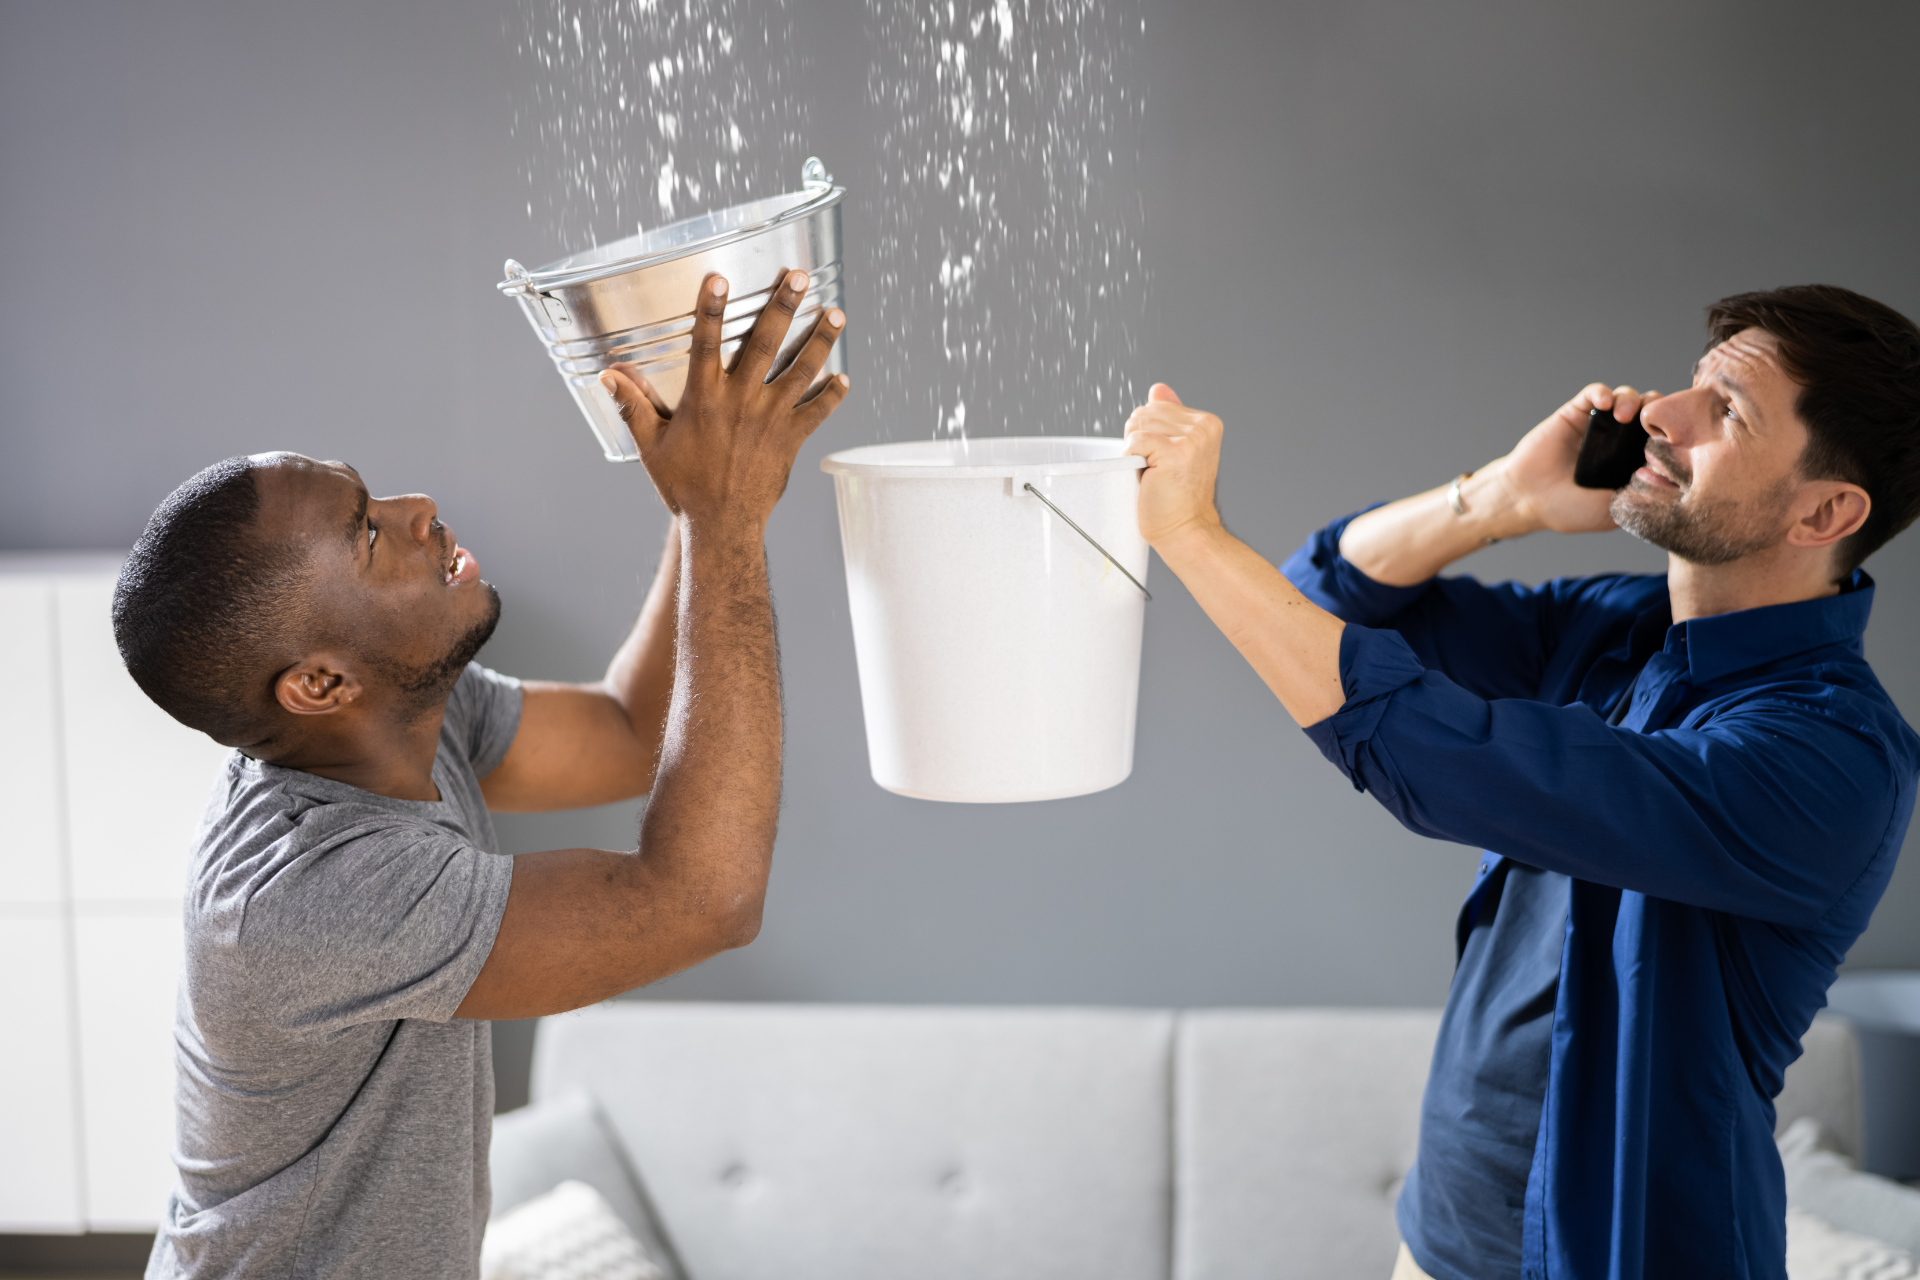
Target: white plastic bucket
[999,651]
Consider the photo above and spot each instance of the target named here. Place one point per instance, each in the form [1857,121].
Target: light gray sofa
[789,1142]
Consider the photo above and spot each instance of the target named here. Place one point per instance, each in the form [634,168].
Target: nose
[1677,418]
[417,511]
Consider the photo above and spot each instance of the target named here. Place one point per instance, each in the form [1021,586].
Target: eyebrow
[1751,411]
[359,521]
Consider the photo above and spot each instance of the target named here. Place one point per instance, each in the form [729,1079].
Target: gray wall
[1385,238]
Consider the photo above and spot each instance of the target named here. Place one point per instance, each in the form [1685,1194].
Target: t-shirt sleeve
[426,905]
[484,713]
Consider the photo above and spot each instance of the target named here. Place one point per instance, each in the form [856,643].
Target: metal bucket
[631,302]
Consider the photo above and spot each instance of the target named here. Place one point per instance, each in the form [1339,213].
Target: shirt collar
[1728,642]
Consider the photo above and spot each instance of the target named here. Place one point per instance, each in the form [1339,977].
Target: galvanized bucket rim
[546,278]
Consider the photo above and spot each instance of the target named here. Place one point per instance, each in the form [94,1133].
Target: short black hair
[200,604]
[1858,365]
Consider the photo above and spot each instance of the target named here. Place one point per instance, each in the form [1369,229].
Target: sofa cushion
[1825,1183]
[1294,1129]
[792,1142]
[567,1233]
[1818,1250]
[1824,1083]
[564,1138]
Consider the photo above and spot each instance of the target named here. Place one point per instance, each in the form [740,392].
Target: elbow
[739,923]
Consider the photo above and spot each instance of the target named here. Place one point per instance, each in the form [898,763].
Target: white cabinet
[102,791]
[39,1114]
[30,866]
[129,966]
[139,776]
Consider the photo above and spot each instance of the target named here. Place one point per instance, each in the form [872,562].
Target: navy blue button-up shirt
[1726,842]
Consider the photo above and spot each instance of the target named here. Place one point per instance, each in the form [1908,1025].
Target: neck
[388,758]
[1779,575]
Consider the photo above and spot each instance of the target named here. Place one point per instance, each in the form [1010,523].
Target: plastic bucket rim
[846,462]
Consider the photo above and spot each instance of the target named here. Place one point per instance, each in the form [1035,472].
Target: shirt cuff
[1374,665]
[1328,579]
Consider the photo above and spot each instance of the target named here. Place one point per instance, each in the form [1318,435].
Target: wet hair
[200,604]
[1858,365]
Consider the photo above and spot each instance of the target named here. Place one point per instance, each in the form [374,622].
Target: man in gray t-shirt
[350,925]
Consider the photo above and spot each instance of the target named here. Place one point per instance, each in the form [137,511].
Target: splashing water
[642,112]
[1008,285]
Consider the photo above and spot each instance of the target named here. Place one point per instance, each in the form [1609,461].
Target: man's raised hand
[725,452]
[1182,449]
[1538,474]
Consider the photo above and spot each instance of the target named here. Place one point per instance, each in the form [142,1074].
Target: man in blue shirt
[1690,787]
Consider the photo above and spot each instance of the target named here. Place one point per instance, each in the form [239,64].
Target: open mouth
[461,568]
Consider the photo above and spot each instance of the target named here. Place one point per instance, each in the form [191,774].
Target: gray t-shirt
[333,1114]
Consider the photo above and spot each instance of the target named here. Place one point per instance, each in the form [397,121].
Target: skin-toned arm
[584,924]
[1406,542]
[587,744]
[1290,641]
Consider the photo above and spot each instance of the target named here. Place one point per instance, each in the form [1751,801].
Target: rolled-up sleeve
[1768,804]
[1493,639]
[1325,577]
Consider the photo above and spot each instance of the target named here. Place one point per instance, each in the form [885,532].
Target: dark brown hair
[1858,366]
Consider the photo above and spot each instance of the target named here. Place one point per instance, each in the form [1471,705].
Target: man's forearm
[1407,542]
[1290,641]
[640,677]
[716,798]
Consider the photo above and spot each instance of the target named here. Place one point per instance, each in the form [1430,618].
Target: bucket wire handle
[1028,486]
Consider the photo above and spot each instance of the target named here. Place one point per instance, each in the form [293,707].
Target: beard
[1699,532]
[424,688]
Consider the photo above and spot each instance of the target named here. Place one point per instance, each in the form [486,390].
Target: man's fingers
[637,410]
[1171,417]
[654,398]
[815,409]
[709,312]
[806,366]
[770,329]
[1161,393]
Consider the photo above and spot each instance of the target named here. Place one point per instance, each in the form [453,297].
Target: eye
[1732,414]
[372,533]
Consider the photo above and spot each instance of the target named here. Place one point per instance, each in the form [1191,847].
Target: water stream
[999,288]
[1007,288]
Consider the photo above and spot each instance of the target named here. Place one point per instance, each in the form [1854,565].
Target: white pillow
[1822,1182]
[567,1234]
[1817,1251]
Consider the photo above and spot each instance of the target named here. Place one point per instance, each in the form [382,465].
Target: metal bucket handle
[1028,486]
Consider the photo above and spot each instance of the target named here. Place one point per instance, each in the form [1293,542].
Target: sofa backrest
[1293,1129]
[787,1142]
[794,1141]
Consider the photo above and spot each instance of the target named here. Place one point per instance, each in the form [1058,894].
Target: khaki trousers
[1405,1268]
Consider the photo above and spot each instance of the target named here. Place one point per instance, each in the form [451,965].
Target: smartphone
[1611,453]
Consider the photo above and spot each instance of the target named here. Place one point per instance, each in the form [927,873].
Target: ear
[317,686]
[1838,510]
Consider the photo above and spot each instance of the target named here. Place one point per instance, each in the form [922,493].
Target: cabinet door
[129,966]
[30,855]
[39,1122]
[137,778]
